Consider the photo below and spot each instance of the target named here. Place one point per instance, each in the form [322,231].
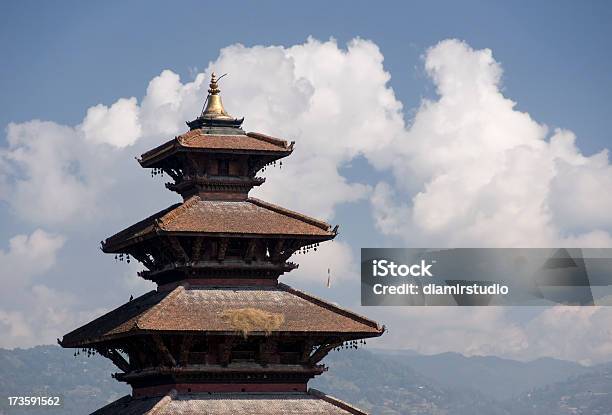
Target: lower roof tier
[312,402]
[224,310]
[221,217]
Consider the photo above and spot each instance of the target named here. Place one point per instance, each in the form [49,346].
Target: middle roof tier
[203,238]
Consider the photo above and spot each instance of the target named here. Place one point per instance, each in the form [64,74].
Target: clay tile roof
[121,320]
[197,139]
[250,141]
[202,309]
[251,216]
[270,403]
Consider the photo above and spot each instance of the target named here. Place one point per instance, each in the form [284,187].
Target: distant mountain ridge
[382,382]
[84,383]
[492,376]
[589,393]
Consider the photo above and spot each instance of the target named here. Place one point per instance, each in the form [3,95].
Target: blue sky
[61,59]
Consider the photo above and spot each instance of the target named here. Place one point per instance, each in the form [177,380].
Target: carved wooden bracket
[196,251]
[177,248]
[308,345]
[172,173]
[115,357]
[225,350]
[222,248]
[278,248]
[185,349]
[142,256]
[323,350]
[267,349]
[165,355]
[250,251]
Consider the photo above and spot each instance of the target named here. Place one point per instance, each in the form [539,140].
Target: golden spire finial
[214,88]
[214,106]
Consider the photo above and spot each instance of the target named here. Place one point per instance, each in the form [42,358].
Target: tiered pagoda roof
[206,217]
[220,334]
[237,143]
[200,309]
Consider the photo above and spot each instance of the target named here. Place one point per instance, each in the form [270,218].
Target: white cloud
[334,256]
[45,314]
[26,257]
[168,103]
[466,330]
[46,180]
[581,334]
[390,214]
[76,179]
[472,170]
[334,103]
[31,313]
[15,329]
[579,190]
[118,125]
[469,170]
[312,93]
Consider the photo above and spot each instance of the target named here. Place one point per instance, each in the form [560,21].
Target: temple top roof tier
[199,140]
[216,158]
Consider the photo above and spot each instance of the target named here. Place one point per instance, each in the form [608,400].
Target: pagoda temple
[220,334]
